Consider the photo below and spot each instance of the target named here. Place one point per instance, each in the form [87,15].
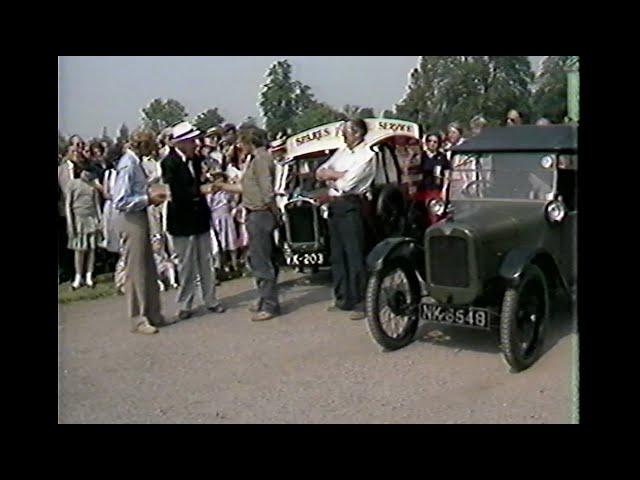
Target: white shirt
[359,166]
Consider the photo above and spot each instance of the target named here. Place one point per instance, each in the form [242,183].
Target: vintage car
[502,260]
[302,199]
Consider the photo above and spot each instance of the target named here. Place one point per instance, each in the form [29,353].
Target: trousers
[195,259]
[348,249]
[141,281]
[260,227]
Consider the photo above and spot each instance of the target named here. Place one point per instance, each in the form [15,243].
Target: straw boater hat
[184,131]
[214,131]
[278,145]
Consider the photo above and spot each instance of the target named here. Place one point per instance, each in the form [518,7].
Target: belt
[350,197]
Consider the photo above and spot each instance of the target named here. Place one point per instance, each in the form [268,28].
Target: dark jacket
[428,164]
[187,211]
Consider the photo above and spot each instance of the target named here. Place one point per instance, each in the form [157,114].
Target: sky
[97,92]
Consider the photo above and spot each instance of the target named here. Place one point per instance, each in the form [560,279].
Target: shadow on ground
[561,325]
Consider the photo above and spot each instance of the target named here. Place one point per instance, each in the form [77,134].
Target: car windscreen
[501,176]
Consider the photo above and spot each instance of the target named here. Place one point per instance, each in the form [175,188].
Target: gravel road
[307,366]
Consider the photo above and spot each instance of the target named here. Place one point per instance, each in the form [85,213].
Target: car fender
[394,247]
[517,260]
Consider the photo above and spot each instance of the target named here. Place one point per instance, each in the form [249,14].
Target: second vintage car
[302,199]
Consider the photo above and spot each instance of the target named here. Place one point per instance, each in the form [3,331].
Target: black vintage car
[504,257]
[302,199]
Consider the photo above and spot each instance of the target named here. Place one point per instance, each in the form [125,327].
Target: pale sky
[106,91]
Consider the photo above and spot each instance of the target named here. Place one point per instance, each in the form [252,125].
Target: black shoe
[219,308]
[162,322]
[184,314]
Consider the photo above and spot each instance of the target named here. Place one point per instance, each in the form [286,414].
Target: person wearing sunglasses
[433,164]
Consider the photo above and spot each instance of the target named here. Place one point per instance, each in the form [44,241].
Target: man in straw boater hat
[188,220]
[131,197]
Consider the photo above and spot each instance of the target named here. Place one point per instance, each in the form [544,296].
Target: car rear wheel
[393,295]
[523,318]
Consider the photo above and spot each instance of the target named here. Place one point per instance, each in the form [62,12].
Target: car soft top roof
[524,138]
[329,137]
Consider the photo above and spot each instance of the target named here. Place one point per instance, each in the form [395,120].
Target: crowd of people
[179,209]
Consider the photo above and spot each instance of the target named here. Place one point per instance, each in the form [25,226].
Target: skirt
[226,232]
[88,234]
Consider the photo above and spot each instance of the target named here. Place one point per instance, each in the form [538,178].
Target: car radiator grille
[449,261]
[300,220]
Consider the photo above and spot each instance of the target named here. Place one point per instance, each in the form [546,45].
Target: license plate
[305,259]
[459,316]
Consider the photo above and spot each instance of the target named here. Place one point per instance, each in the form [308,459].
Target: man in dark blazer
[188,220]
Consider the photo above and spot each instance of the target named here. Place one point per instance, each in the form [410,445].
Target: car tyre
[374,305]
[525,313]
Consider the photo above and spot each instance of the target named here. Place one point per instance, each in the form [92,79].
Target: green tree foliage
[161,114]
[282,99]
[123,135]
[208,119]
[443,89]
[550,89]
[249,122]
[106,138]
[354,111]
[63,143]
[317,114]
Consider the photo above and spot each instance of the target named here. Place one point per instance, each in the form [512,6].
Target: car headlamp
[556,211]
[436,206]
[547,162]
[324,210]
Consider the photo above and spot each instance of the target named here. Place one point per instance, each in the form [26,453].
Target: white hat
[278,144]
[184,131]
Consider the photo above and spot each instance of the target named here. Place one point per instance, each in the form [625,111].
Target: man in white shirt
[349,173]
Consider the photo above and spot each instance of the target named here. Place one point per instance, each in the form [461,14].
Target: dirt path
[307,366]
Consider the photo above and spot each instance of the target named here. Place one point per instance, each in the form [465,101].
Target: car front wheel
[393,296]
[524,315]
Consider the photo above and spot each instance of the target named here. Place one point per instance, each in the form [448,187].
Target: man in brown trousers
[131,197]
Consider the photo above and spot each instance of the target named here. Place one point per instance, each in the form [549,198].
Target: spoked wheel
[393,295]
[525,313]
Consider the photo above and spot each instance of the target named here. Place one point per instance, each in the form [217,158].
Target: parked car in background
[302,199]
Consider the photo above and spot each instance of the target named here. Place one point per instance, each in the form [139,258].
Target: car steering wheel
[466,189]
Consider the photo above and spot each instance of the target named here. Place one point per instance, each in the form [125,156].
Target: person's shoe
[254,307]
[184,314]
[358,313]
[337,308]
[219,308]
[77,283]
[262,316]
[145,329]
[163,322]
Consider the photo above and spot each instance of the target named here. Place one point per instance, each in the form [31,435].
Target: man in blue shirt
[131,197]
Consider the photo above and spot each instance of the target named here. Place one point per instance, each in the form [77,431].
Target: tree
[317,114]
[208,119]
[443,89]
[63,143]
[160,114]
[123,135]
[282,99]
[354,111]
[249,122]
[550,89]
